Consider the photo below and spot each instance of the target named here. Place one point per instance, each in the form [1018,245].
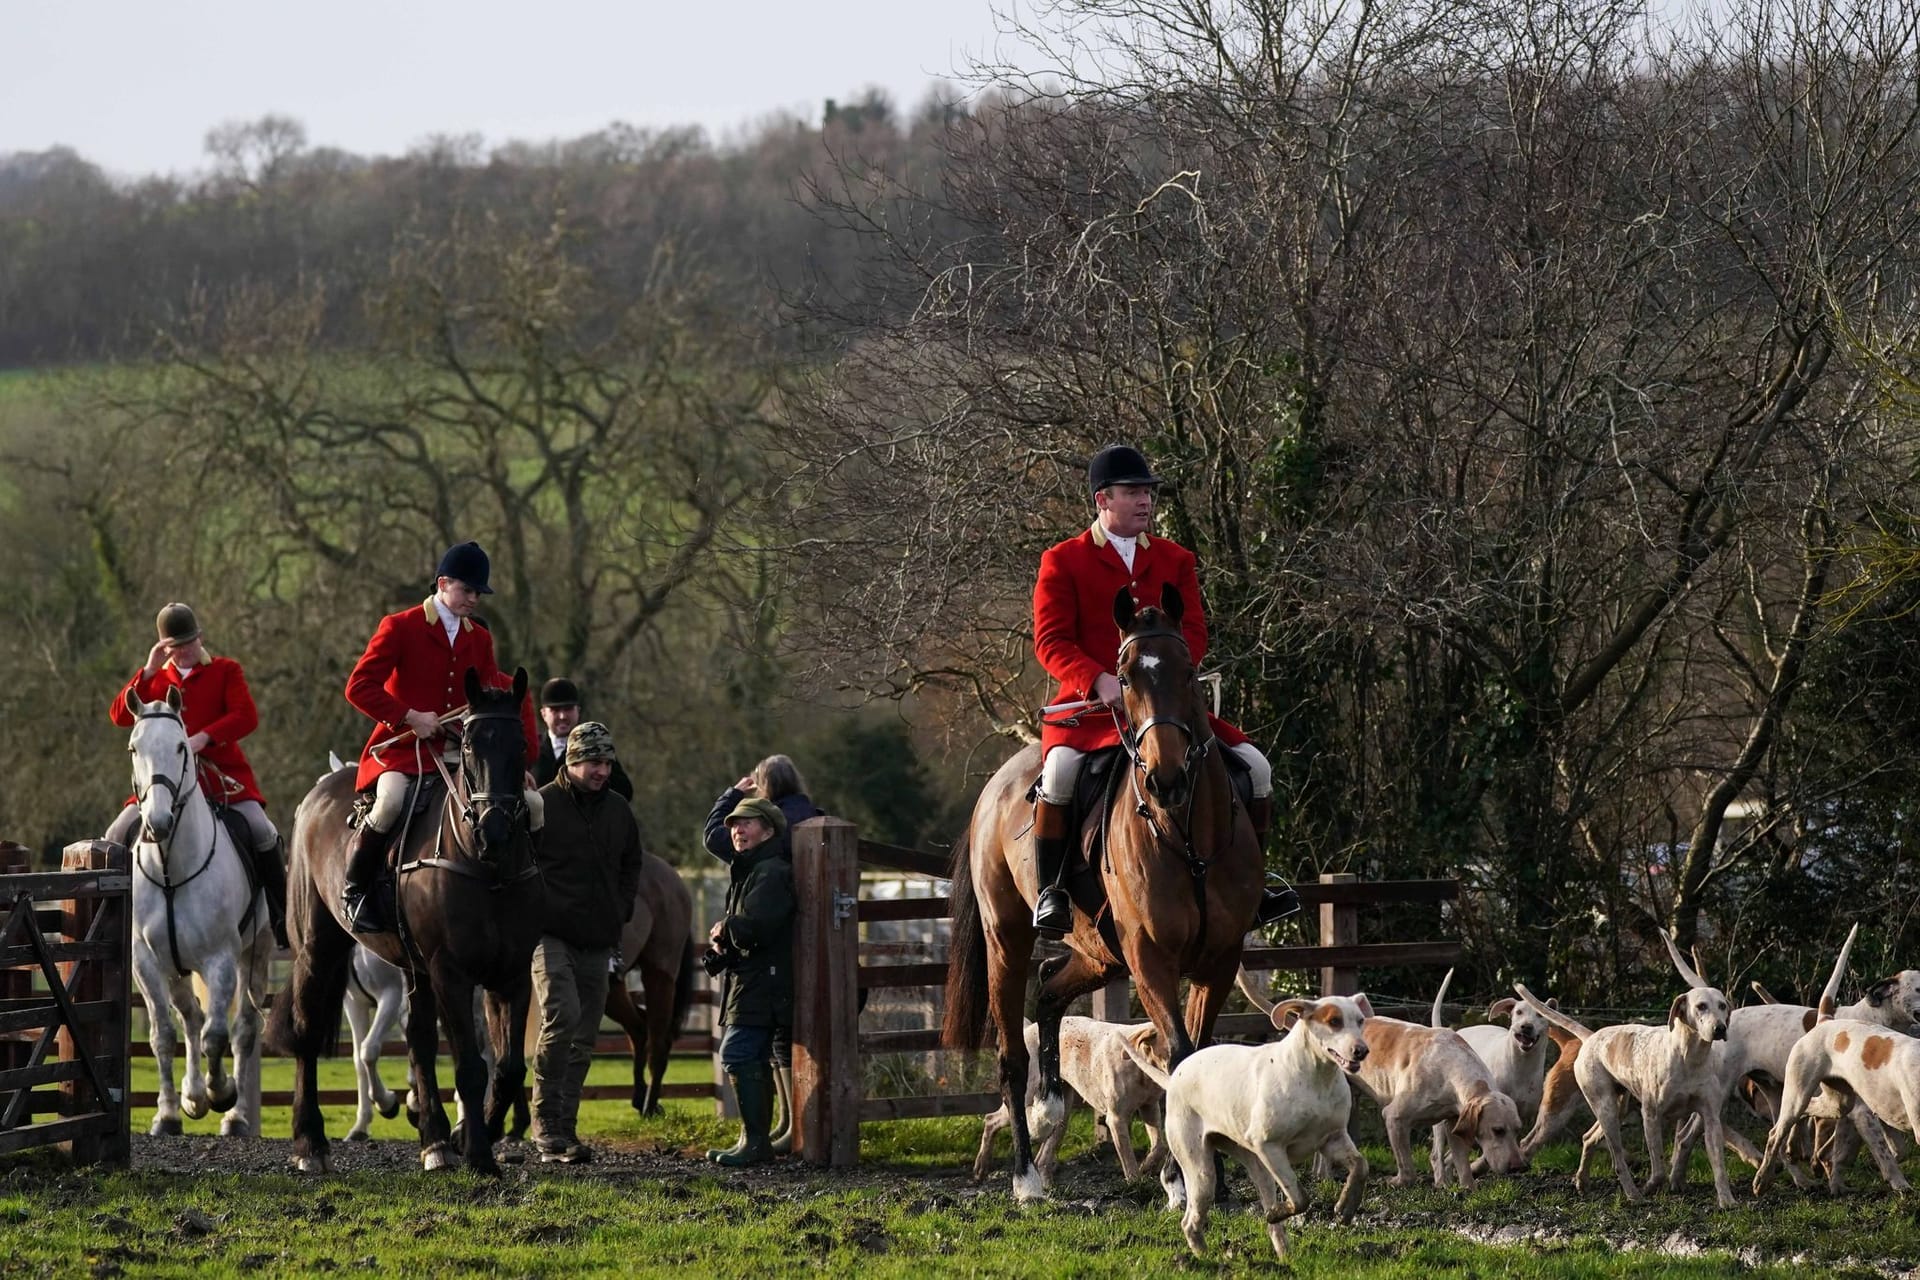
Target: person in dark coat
[752,945]
[777,779]
[589,855]
[560,710]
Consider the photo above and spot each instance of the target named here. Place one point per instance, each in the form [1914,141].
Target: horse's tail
[279,1030]
[965,1026]
[682,990]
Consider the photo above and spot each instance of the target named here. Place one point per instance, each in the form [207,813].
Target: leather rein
[470,805]
[167,885]
[1198,749]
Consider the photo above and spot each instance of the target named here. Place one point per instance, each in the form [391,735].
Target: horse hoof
[359,1135]
[166,1127]
[194,1107]
[437,1156]
[312,1164]
[1029,1187]
[235,1127]
[413,1117]
[223,1099]
[391,1107]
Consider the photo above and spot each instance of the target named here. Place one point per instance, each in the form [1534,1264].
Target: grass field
[199,1205]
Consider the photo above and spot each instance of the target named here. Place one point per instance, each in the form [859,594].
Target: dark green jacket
[589,854]
[758,990]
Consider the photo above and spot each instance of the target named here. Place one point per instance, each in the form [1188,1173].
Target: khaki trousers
[570,991]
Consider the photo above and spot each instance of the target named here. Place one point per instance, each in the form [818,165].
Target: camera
[717,962]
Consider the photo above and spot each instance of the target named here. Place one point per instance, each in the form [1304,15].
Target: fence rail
[830,977]
[65,970]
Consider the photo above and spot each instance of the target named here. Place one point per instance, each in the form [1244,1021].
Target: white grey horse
[191,890]
[376,1004]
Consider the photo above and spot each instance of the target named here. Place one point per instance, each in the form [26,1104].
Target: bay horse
[1180,880]
[192,892]
[470,906]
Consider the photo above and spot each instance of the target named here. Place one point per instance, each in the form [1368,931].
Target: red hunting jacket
[1076,638]
[409,666]
[214,700]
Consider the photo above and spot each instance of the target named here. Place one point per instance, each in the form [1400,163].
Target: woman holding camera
[752,946]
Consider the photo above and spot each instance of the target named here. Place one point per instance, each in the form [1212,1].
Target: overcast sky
[134,85]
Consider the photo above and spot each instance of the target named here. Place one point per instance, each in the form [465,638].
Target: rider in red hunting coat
[1077,641]
[412,673]
[217,708]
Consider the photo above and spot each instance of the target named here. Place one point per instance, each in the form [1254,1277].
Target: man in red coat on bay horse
[1077,641]
[411,675]
[217,708]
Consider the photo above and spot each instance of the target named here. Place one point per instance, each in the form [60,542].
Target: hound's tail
[1135,1042]
[1830,994]
[1438,1017]
[1766,996]
[1244,981]
[1554,1016]
[965,1026]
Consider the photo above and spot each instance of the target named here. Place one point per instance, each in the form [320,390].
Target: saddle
[1100,774]
[425,793]
[242,837]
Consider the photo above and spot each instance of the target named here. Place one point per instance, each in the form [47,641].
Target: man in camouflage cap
[589,854]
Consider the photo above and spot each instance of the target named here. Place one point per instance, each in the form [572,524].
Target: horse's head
[162,762]
[1167,735]
[493,763]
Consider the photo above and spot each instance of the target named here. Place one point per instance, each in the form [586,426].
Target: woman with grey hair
[778,779]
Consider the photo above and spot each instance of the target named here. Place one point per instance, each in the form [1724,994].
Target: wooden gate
[65,970]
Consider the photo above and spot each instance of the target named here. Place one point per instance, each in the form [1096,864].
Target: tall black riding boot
[366,868]
[1053,910]
[270,869]
[1277,899]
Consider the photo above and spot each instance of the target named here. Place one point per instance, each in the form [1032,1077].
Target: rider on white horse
[218,710]
[193,914]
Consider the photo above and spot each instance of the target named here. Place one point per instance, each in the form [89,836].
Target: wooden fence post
[1339,927]
[827,1086]
[104,978]
[1114,1002]
[15,984]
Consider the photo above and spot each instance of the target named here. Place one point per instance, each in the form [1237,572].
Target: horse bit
[173,786]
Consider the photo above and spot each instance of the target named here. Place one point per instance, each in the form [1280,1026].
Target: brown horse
[1181,879]
[470,903]
[658,942]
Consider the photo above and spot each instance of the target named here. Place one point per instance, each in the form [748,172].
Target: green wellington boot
[783,1136]
[753,1085]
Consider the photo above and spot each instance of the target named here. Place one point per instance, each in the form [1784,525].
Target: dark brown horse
[1181,878]
[470,903]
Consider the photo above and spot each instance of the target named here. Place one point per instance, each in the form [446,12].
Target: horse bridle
[172,786]
[167,885]
[476,802]
[1198,748]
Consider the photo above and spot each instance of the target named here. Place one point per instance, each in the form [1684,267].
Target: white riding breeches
[1062,767]
[260,831]
[390,800]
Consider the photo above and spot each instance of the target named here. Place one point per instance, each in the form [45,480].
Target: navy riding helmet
[466,563]
[1119,464]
